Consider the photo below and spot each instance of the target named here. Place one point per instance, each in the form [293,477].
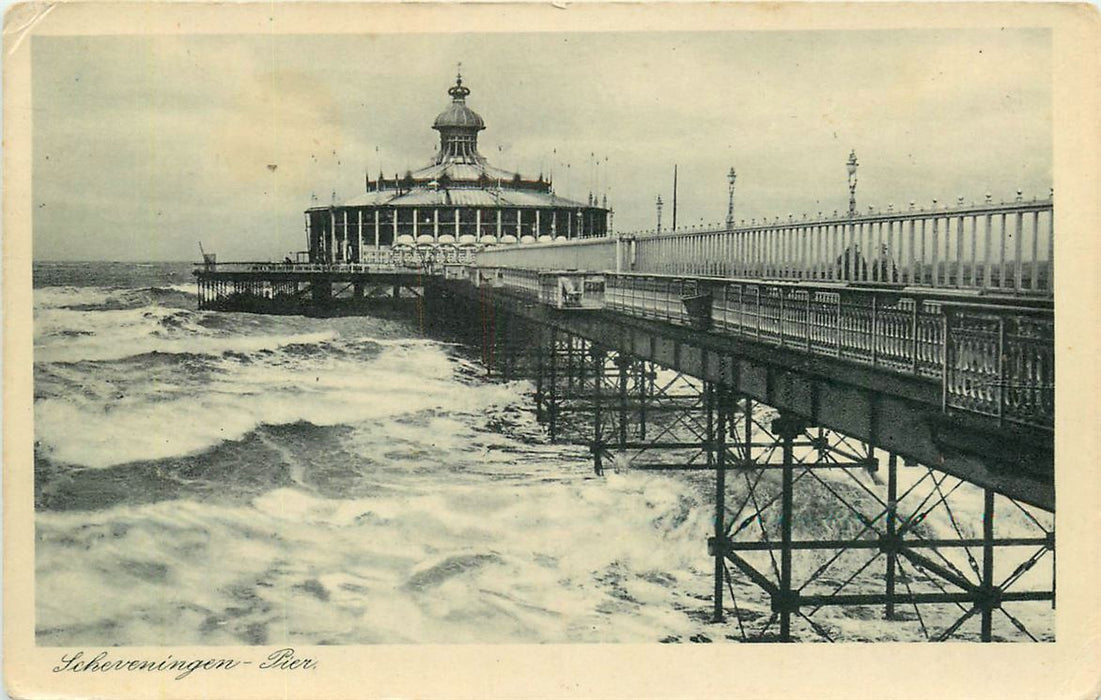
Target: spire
[458,92]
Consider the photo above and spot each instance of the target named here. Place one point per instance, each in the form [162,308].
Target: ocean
[226,478]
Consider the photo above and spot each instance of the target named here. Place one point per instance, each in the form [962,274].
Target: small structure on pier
[457,201]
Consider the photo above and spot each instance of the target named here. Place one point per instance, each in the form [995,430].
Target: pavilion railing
[399,258]
[296,268]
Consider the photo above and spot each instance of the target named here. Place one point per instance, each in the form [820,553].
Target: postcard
[551,350]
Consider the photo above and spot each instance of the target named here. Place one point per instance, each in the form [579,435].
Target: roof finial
[458,92]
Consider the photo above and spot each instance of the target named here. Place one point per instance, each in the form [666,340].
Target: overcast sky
[144,146]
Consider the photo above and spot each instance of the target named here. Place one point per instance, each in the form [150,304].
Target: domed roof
[457,113]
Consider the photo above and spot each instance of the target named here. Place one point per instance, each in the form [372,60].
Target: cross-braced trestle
[830,529]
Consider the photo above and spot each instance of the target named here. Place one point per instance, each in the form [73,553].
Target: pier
[910,350]
[311,289]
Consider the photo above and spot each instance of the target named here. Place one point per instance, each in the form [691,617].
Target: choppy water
[209,478]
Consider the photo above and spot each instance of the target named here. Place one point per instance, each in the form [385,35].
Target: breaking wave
[218,478]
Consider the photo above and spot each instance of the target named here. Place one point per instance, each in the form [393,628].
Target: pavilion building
[457,201]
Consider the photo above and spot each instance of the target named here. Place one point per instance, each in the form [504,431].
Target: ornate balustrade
[1000,363]
[992,358]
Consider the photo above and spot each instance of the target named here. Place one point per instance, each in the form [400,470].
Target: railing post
[918,261]
[1050,280]
[1001,370]
[875,330]
[959,249]
[944,374]
[974,251]
[837,326]
[1018,246]
[914,336]
[758,329]
[782,310]
[936,252]
[1001,253]
[988,253]
[1033,281]
[808,325]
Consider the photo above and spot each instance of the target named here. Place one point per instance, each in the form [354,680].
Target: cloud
[143,144]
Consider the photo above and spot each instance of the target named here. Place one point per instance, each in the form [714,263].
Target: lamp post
[731,177]
[658,230]
[851,165]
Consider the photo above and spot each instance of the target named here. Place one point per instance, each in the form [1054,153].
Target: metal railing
[1000,364]
[294,268]
[521,280]
[998,359]
[1006,248]
[431,256]
[582,254]
[398,259]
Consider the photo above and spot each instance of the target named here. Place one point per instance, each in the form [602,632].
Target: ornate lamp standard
[659,203]
[731,176]
[851,165]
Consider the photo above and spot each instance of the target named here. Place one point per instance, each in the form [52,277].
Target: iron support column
[582,365]
[747,438]
[505,349]
[552,403]
[718,438]
[892,533]
[597,355]
[787,428]
[622,364]
[540,412]
[570,370]
[989,594]
[785,542]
